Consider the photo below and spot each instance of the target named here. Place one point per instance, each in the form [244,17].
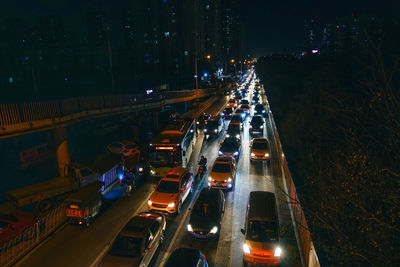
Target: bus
[172,147]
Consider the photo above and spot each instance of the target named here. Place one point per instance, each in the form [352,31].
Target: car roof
[207,194]
[175,174]
[260,140]
[183,257]
[136,226]
[262,206]
[223,160]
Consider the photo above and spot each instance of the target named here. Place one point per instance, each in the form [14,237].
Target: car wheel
[179,208]
[245,263]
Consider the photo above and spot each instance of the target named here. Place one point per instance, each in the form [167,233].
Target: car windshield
[260,145]
[232,101]
[223,168]
[245,106]
[168,187]
[256,120]
[86,172]
[260,231]
[205,208]
[259,107]
[213,123]
[229,144]
[228,110]
[126,246]
[239,110]
[236,118]
[233,128]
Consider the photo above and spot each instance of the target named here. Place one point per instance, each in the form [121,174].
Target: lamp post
[226,66]
[208,57]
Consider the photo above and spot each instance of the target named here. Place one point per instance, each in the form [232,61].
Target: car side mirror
[242,230]
[155,186]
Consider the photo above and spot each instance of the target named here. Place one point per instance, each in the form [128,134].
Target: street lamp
[208,57]
[226,66]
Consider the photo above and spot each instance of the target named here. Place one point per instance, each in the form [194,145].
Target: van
[261,232]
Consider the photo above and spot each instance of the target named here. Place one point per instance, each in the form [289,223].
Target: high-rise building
[128,27]
[231,30]
[96,28]
[212,27]
[51,30]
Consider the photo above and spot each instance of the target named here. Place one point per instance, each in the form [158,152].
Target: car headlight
[251,127]
[227,135]
[152,172]
[222,113]
[214,230]
[205,130]
[236,153]
[140,169]
[229,179]
[246,248]
[263,111]
[277,252]
[242,115]
[149,202]
[197,122]
[252,154]
[266,155]
[262,126]
[215,130]
[219,152]
[171,205]
[210,179]
[189,228]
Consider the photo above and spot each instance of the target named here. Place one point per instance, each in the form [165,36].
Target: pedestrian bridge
[28,117]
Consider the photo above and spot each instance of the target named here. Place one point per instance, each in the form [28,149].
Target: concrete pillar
[61,141]
[154,117]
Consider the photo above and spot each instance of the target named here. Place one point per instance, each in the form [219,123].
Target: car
[213,127]
[241,112]
[222,174]
[238,98]
[255,101]
[232,103]
[244,101]
[230,147]
[187,257]
[13,224]
[234,130]
[260,149]
[259,109]
[256,94]
[238,120]
[172,191]
[246,108]
[206,215]
[137,242]
[201,121]
[125,148]
[256,125]
[227,113]
[244,93]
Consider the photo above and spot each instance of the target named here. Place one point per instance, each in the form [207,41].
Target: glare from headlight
[277,252]
[214,230]
[266,155]
[219,152]
[215,130]
[149,202]
[171,205]
[227,135]
[262,126]
[263,111]
[252,154]
[237,136]
[205,130]
[246,248]
[210,179]
[236,153]
[229,180]
[197,122]
[152,172]
[140,169]
[242,114]
[189,228]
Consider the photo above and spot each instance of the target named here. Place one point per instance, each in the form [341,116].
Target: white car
[125,148]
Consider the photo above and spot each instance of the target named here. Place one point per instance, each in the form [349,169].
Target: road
[75,246]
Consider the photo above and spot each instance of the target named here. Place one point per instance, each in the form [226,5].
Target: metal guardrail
[307,249]
[20,117]
[14,249]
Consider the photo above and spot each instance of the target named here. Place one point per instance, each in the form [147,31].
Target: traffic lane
[176,225]
[77,246]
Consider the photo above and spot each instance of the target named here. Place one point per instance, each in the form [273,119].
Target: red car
[12,225]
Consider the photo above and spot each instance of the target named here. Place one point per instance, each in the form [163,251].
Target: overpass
[28,117]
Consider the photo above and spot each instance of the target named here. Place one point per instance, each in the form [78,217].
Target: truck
[46,193]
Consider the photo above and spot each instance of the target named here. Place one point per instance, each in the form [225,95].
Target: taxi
[223,173]
[232,103]
[171,191]
[259,149]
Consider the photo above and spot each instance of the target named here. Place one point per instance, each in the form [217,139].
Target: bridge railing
[12,114]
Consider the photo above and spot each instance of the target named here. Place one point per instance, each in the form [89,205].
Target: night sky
[269,26]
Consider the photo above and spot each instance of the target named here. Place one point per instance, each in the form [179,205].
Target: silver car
[137,242]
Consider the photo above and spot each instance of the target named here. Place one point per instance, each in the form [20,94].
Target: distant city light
[149,91]
[314,51]
[205,74]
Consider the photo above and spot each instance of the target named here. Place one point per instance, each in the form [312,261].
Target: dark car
[244,93]
[201,121]
[242,112]
[244,101]
[256,94]
[11,225]
[256,100]
[238,98]
[213,127]
[137,242]
[227,113]
[230,148]
[259,109]
[206,215]
[238,120]
[186,257]
[256,125]
[234,130]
